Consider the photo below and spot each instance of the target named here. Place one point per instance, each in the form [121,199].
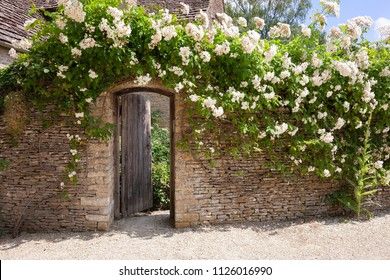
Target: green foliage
[9,81]
[4,164]
[355,196]
[161,174]
[97,129]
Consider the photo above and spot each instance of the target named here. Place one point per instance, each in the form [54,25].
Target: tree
[292,12]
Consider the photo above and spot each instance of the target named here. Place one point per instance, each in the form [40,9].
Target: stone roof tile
[13,14]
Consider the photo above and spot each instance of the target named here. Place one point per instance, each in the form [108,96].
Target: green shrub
[160,164]
[4,163]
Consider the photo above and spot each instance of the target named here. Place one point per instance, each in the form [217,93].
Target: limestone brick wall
[30,194]
[244,189]
[233,190]
[4,56]
[216,6]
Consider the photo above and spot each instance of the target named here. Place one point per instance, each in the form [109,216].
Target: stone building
[234,189]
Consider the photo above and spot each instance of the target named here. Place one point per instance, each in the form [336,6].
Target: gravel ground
[151,237]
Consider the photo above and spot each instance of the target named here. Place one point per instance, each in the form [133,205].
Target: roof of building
[14,13]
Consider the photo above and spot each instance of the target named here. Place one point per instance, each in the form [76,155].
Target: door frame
[117,150]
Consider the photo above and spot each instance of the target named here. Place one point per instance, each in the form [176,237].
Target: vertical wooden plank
[133,135]
[172,143]
[130,153]
[141,172]
[117,156]
[137,152]
[148,157]
[124,145]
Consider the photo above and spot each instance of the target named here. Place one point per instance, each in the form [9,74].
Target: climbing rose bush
[317,101]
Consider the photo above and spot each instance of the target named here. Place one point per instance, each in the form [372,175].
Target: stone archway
[145,93]
[104,153]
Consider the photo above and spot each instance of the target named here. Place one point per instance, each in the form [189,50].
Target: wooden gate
[135,192]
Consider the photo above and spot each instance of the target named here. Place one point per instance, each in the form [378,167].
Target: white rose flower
[209,102]
[259,22]
[306,31]
[280,129]
[168,32]
[79,115]
[194,97]
[339,124]
[75,52]
[327,137]
[143,80]
[205,56]
[222,49]
[63,38]
[12,53]
[24,44]
[185,53]
[176,70]
[385,72]
[74,10]
[185,9]
[179,87]
[326,173]
[346,106]
[247,44]
[218,112]
[205,19]
[196,32]
[61,23]
[156,38]
[378,164]
[72,174]
[281,30]
[330,7]
[92,74]
[87,43]
[270,54]
[242,22]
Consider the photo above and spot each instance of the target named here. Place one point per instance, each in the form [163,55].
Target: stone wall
[244,189]
[216,6]
[4,56]
[233,190]
[30,194]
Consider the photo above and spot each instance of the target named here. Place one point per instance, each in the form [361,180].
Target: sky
[378,10]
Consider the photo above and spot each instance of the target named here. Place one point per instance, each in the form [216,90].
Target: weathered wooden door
[136,192]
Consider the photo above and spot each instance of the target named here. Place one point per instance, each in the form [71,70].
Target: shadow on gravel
[157,224]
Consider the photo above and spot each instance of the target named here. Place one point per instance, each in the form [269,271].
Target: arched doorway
[133,191]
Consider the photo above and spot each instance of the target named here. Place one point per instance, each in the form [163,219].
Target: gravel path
[151,237]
